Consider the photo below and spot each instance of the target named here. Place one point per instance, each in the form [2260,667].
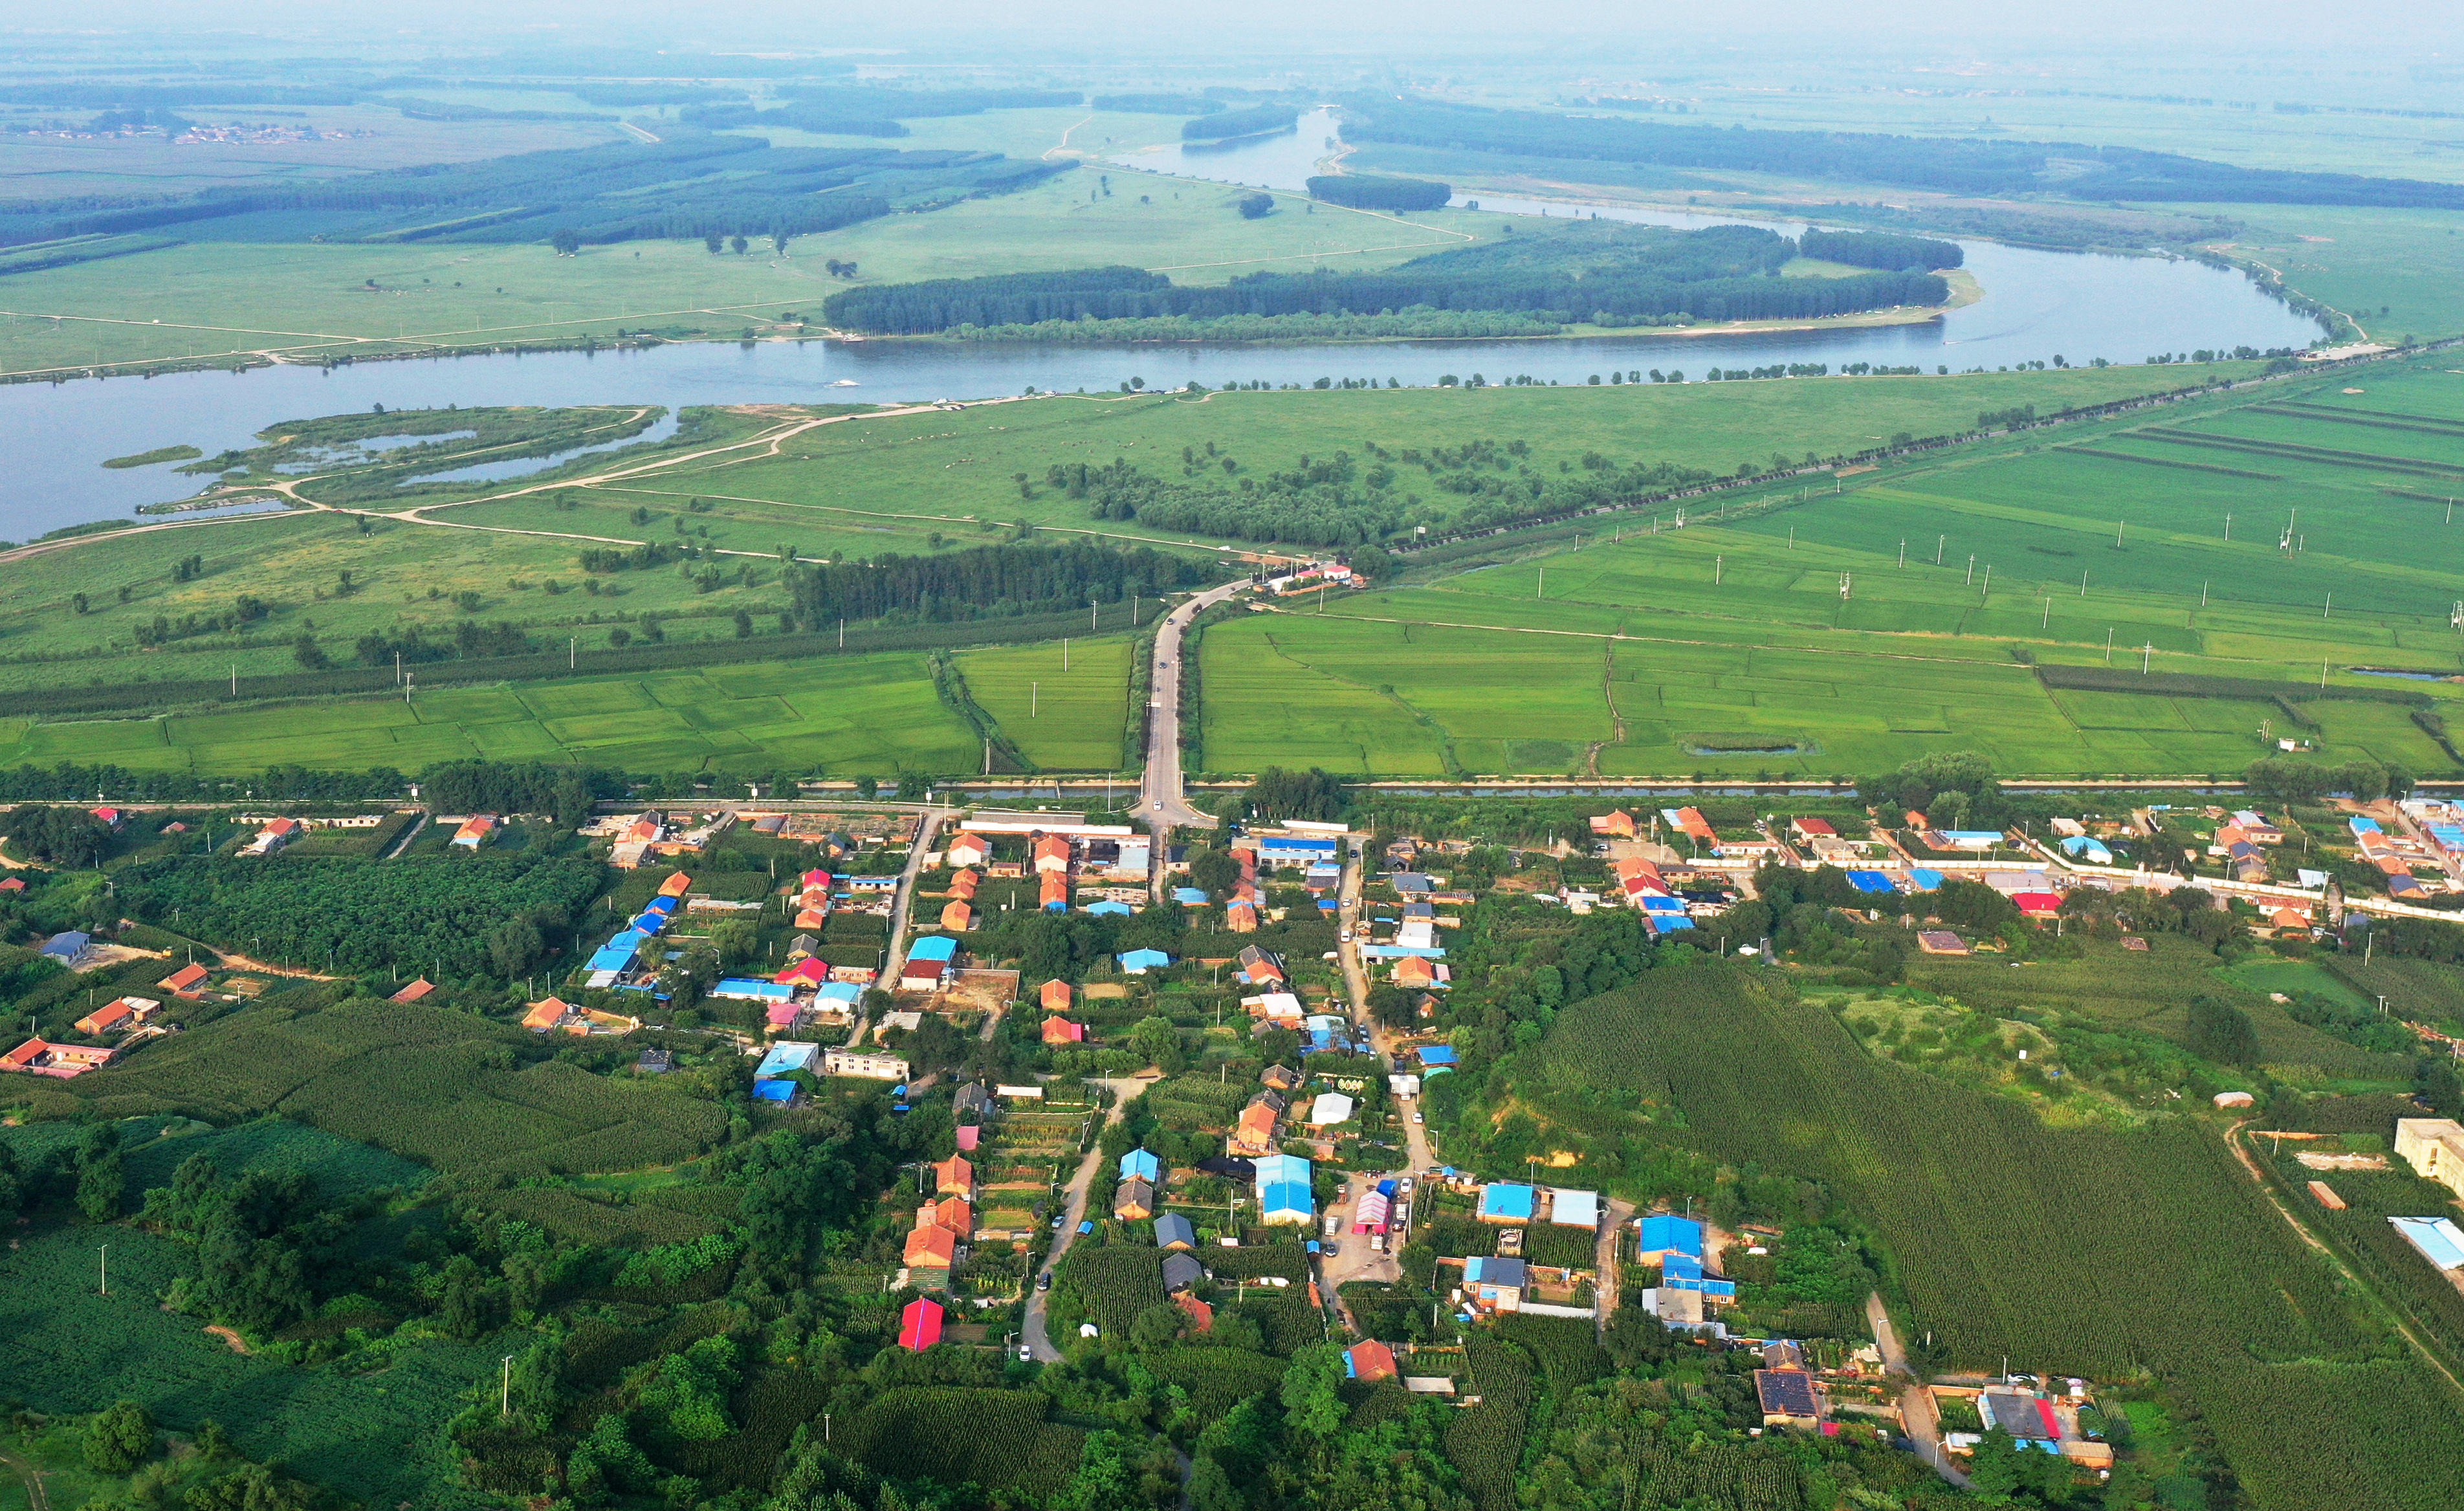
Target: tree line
[1601,271]
[1025,578]
[1375,191]
[1878,248]
[1954,166]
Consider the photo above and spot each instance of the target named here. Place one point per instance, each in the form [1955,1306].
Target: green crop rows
[2084,1250]
[995,1439]
[428,1085]
[378,1438]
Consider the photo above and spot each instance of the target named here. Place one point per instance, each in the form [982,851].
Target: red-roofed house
[955,1176]
[676,886]
[1411,971]
[189,980]
[553,1013]
[1241,917]
[930,1248]
[475,831]
[1201,1316]
[1369,1360]
[1055,995]
[1253,1136]
[919,1326]
[2038,905]
[812,918]
[810,971]
[414,991]
[964,884]
[108,817]
[13,883]
[957,917]
[42,1058]
[1052,892]
[1811,829]
[1051,854]
[1617,821]
[272,837]
[969,849]
[1061,1031]
[117,1016]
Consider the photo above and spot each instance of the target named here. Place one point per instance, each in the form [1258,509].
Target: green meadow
[840,716]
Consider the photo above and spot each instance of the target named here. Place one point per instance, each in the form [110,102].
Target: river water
[2036,305]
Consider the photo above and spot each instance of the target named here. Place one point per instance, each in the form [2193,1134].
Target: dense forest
[1875,249]
[860,110]
[1255,121]
[1157,104]
[1956,166]
[1606,271]
[1021,579]
[1374,191]
[694,185]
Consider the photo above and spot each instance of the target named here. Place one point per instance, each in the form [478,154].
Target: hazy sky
[1408,27]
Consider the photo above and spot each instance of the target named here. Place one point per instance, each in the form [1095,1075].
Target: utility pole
[1937,549]
[103,1258]
[1034,691]
[505,1405]
[572,651]
[2147,654]
[1970,580]
[1989,581]
[1903,552]
[2109,645]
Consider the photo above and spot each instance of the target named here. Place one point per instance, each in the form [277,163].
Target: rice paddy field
[1855,629]
[846,715]
[1065,710]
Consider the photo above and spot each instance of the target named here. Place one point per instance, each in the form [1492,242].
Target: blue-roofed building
[775,1091]
[1667,923]
[750,989]
[66,946]
[1141,1165]
[1925,879]
[618,951]
[649,923]
[1139,962]
[1282,1168]
[1190,896]
[1657,903]
[1436,1055]
[662,906]
[1972,838]
[845,994]
[2361,825]
[2087,847]
[1870,882]
[1493,1284]
[1109,909]
[783,1057]
[1665,1232]
[1279,850]
[933,947]
[1684,1272]
[1508,1201]
[2438,1239]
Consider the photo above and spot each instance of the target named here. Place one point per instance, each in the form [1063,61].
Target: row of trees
[1031,579]
[1255,121]
[1602,271]
[1875,249]
[1375,191]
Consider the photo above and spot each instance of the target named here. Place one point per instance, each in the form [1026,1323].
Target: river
[2036,305]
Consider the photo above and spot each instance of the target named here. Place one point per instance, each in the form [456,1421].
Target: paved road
[1419,1152]
[1916,1402]
[1159,799]
[899,904]
[1073,1202]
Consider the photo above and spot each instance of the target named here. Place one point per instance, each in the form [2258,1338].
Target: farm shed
[1507,1201]
[1663,1234]
[1575,1209]
[1172,1230]
[2438,1239]
[919,1324]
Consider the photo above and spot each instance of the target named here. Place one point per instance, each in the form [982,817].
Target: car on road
[1025,1355]
[1043,1282]
[1057,1222]
[1419,1118]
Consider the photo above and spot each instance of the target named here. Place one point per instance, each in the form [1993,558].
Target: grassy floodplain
[206,299]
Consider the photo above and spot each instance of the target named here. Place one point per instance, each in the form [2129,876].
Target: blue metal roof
[1870,882]
[1144,960]
[1507,1199]
[933,947]
[1924,878]
[1437,1054]
[1141,1165]
[1109,910]
[1287,1196]
[1667,1230]
[775,1091]
[1193,896]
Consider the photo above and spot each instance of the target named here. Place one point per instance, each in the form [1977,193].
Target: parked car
[1417,1117]
[1025,1355]
[1043,1282]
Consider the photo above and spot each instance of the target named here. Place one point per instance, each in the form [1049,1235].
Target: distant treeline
[1599,271]
[1252,121]
[1157,104]
[908,104]
[619,95]
[821,121]
[96,95]
[1372,191]
[692,185]
[1955,165]
[1875,249]
[1006,579]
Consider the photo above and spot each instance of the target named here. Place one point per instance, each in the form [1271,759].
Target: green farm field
[850,715]
[1642,653]
[1062,719]
[377,1436]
